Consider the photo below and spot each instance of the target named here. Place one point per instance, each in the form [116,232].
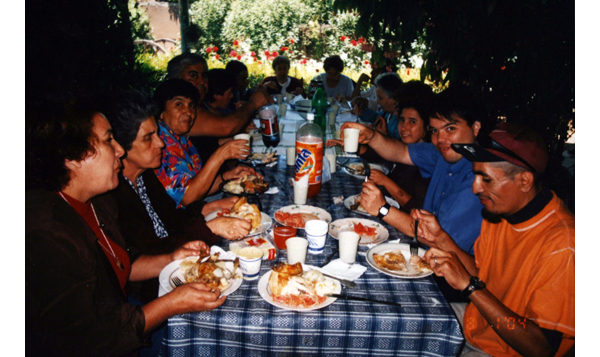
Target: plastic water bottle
[309,150]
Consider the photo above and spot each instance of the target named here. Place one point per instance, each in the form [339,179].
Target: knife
[347,283]
[328,259]
[357,298]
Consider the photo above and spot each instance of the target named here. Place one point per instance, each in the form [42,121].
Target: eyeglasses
[488,143]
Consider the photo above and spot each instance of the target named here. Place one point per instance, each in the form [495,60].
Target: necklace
[112,252]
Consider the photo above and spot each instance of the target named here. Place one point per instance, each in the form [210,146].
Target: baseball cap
[510,142]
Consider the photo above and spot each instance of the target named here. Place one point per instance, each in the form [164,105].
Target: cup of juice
[281,234]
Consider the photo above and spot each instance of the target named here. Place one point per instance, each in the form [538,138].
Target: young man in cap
[192,68]
[449,196]
[521,282]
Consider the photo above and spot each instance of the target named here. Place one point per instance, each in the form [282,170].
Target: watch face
[384,210]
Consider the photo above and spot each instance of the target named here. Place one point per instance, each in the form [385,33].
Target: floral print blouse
[180,163]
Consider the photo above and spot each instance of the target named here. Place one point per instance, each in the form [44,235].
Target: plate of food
[296,216]
[394,259]
[261,221]
[370,232]
[353,204]
[358,170]
[224,275]
[297,287]
[249,184]
[261,158]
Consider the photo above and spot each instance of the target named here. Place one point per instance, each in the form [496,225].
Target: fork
[176,281]
[414,246]
[367,168]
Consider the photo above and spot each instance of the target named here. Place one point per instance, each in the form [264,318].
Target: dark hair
[281,60]
[388,83]
[58,128]
[126,112]
[236,67]
[172,88]
[417,95]
[334,62]
[219,81]
[178,63]
[459,102]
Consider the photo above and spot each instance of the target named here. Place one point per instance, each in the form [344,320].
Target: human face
[146,149]
[387,103]
[498,193]
[281,72]
[445,132]
[179,114]
[410,126]
[222,101]
[333,75]
[196,75]
[242,81]
[98,171]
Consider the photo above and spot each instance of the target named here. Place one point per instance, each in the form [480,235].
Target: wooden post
[184,22]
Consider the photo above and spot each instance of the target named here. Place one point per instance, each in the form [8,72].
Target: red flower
[343,38]
[217,56]
[235,42]
[208,50]
[503,68]
[239,57]
[215,49]
[233,53]
[259,62]
[267,53]
[354,43]
[290,51]
[274,54]
[254,59]
[253,54]
[291,40]
[408,72]
[303,61]
[366,62]
[283,49]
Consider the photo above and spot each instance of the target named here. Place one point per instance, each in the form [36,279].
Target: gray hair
[178,63]
[388,83]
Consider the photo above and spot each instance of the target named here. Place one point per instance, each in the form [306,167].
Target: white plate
[265,221]
[265,293]
[405,249]
[350,201]
[172,269]
[319,212]
[359,166]
[347,224]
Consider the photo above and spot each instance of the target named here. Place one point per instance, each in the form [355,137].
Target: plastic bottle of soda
[269,125]
[309,147]
[319,105]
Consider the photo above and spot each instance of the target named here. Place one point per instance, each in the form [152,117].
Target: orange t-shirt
[530,267]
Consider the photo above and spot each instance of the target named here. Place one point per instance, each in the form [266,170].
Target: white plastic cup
[250,260]
[282,110]
[243,136]
[279,98]
[316,234]
[331,116]
[335,108]
[291,156]
[301,190]
[332,158]
[296,250]
[351,140]
[348,246]
[289,97]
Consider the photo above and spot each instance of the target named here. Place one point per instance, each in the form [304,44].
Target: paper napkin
[339,269]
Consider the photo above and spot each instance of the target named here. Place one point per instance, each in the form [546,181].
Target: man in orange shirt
[521,282]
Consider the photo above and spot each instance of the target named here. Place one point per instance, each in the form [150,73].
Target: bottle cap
[310,116]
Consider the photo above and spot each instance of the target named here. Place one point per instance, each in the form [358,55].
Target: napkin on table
[339,269]
[272,190]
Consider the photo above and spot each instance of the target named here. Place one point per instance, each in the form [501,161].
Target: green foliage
[208,17]
[140,22]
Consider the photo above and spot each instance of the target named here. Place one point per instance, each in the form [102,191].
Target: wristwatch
[474,284]
[384,210]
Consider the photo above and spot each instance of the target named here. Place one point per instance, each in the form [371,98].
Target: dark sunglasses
[487,142]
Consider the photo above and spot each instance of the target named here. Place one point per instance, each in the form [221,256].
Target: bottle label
[268,122]
[309,161]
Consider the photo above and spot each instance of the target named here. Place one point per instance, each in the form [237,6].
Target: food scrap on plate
[215,273]
[247,184]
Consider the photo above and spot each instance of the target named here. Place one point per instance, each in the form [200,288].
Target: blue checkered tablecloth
[246,325]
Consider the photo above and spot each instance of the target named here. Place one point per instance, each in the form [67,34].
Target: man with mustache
[454,120]
[521,282]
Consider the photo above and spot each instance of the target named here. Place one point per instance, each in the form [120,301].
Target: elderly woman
[183,174]
[77,264]
[335,84]
[281,82]
[386,120]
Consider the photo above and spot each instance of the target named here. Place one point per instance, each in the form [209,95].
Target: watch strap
[474,284]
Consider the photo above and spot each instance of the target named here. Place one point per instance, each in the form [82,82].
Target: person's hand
[333,142]
[271,85]
[448,265]
[194,297]
[380,125]
[193,248]
[371,198]
[429,231]
[366,133]
[230,228]
[358,105]
[299,91]
[378,178]
[234,149]
[250,127]
[240,171]
[239,104]
[260,97]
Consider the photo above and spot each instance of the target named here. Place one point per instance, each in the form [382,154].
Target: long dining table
[247,325]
